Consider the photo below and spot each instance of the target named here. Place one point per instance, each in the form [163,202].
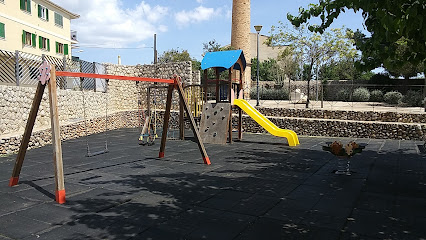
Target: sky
[109,28]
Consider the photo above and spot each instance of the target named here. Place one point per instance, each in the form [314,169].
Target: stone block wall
[121,99]
[341,128]
[16,102]
[345,115]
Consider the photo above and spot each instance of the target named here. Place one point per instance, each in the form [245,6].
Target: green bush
[413,98]
[393,97]
[269,94]
[376,96]
[380,78]
[343,95]
[361,94]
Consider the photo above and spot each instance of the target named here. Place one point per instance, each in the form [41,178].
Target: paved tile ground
[258,188]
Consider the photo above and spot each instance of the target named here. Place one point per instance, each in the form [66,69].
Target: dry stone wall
[123,101]
[341,128]
[345,115]
[127,101]
[16,102]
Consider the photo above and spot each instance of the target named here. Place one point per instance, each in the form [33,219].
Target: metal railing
[21,69]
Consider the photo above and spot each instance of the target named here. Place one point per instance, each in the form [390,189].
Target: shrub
[393,97]
[361,95]
[269,94]
[413,98]
[380,78]
[343,95]
[376,96]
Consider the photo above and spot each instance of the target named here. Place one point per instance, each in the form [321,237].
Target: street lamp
[258,28]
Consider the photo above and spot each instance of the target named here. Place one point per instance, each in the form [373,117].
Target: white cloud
[109,23]
[198,14]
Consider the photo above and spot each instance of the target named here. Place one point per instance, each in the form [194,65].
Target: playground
[257,188]
[212,182]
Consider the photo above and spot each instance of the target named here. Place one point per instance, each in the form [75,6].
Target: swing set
[48,76]
[194,97]
[89,152]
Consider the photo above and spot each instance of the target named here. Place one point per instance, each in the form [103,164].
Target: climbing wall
[215,123]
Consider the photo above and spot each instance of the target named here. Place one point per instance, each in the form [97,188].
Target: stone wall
[16,102]
[126,94]
[125,101]
[345,115]
[341,128]
[75,106]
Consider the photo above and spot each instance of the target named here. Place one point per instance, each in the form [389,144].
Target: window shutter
[47,14]
[29,6]
[48,44]
[39,11]
[40,42]
[2,30]
[23,36]
[33,39]
[22,2]
[57,47]
[65,49]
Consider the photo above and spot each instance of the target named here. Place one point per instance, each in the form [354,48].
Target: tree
[312,49]
[388,21]
[343,69]
[288,63]
[211,46]
[269,70]
[214,46]
[174,55]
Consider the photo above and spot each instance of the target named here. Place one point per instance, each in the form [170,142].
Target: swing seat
[97,153]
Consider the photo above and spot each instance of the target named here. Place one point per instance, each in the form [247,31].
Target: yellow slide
[291,136]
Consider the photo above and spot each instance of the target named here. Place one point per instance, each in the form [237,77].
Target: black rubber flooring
[258,188]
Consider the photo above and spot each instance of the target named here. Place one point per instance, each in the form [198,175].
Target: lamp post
[258,28]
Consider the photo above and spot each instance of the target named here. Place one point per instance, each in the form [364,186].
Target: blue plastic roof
[223,60]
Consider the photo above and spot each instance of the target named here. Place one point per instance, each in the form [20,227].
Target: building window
[28,38]
[2,32]
[43,12]
[26,5]
[62,48]
[44,43]
[59,20]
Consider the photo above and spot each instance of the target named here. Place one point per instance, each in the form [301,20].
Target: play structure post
[181,121]
[56,139]
[179,88]
[27,134]
[192,122]
[217,85]
[230,109]
[166,120]
[205,85]
[240,112]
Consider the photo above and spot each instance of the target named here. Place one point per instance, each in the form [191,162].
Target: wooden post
[27,134]
[56,138]
[181,121]
[192,122]
[205,85]
[230,109]
[166,121]
[240,113]
[217,85]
